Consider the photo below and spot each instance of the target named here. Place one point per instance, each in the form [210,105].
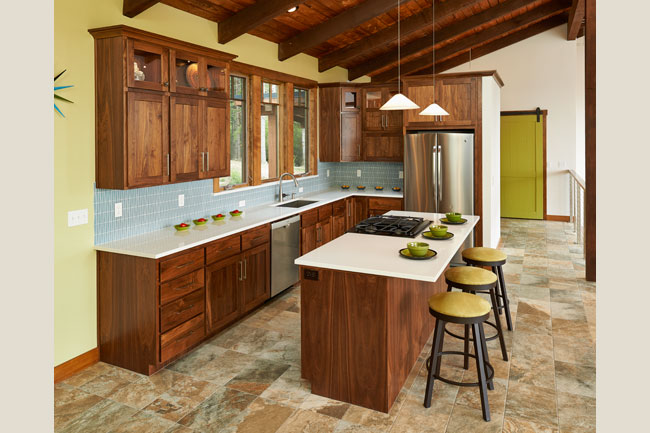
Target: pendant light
[433,109]
[399,101]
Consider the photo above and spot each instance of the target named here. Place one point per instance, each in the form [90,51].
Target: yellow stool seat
[483,254]
[470,276]
[459,304]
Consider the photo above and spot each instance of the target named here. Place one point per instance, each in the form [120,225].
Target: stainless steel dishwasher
[285,248]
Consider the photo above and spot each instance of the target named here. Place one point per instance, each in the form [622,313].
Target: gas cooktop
[391,225]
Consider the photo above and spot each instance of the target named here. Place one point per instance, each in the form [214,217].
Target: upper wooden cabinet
[375,119]
[340,119]
[160,110]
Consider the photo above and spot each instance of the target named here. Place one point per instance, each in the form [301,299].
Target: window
[238,135]
[270,137]
[300,131]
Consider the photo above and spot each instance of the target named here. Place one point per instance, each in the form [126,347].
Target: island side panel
[343,341]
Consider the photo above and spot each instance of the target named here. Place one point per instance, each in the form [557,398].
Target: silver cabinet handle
[168,165]
[241,271]
[245,267]
[202,161]
[207,160]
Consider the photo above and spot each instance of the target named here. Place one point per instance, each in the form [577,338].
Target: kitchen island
[364,312]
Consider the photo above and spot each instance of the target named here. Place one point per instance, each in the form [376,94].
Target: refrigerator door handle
[434,159]
[439,173]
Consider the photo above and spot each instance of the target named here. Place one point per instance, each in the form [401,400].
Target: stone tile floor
[247,379]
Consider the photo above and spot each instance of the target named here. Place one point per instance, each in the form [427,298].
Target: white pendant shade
[434,110]
[399,102]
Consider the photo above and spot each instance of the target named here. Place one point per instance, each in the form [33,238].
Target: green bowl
[200,223]
[181,229]
[418,249]
[233,213]
[438,231]
[454,217]
[217,217]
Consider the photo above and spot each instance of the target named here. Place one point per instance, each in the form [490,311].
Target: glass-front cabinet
[216,78]
[147,66]
[185,73]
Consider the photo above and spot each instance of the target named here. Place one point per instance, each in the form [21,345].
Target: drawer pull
[184,310]
[258,237]
[184,287]
[184,336]
[184,265]
[226,249]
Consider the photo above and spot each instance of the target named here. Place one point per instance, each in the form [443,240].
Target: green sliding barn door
[522,167]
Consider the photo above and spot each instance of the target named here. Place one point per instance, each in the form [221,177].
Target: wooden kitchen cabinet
[222,283]
[341,125]
[161,110]
[360,209]
[381,205]
[339,218]
[256,281]
[375,119]
[315,228]
[349,213]
[383,147]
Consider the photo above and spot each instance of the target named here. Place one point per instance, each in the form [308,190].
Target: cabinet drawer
[181,286]
[254,237]
[338,208]
[182,337]
[222,248]
[180,265]
[309,218]
[324,212]
[181,310]
[385,203]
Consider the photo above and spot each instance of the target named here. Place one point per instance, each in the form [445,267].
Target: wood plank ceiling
[361,35]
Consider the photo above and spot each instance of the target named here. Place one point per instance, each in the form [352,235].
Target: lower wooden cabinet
[222,287]
[316,228]
[256,282]
[381,205]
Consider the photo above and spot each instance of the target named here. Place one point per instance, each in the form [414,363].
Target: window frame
[309,151]
[282,108]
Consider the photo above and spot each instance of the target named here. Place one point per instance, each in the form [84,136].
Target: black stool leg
[497,320]
[449,287]
[436,347]
[480,370]
[504,293]
[486,357]
[466,348]
[498,290]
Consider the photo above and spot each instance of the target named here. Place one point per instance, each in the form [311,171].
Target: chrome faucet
[295,181]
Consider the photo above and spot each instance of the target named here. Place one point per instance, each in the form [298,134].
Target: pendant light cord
[399,51]
[433,46]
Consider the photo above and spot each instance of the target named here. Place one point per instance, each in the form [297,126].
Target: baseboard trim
[562,218]
[75,365]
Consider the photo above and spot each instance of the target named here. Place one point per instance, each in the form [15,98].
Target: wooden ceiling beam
[547,10]
[424,43]
[576,17]
[388,35]
[496,45]
[336,25]
[252,16]
[131,8]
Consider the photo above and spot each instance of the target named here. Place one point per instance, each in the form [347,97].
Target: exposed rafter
[409,25]
[336,25]
[253,16]
[131,8]
[449,32]
[576,18]
[547,10]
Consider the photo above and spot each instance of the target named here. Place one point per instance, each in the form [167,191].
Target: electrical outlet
[118,210]
[358,173]
[77,217]
[401,174]
[300,189]
[181,200]
[328,173]
[242,203]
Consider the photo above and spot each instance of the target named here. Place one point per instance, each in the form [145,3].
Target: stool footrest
[490,338]
[489,373]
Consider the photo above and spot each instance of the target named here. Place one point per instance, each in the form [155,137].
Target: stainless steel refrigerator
[439,175]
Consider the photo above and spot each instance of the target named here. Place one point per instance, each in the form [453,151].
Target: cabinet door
[350,99]
[222,283]
[383,148]
[257,281]
[307,239]
[459,97]
[215,152]
[324,232]
[147,139]
[185,123]
[147,66]
[215,78]
[360,209]
[349,213]
[338,226]
[185,72]
[373,118]
[393,119]
[350,136]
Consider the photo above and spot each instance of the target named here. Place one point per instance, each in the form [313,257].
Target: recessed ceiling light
[293,9]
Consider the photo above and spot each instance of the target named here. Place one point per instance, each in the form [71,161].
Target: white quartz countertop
[164,242]
[379,255]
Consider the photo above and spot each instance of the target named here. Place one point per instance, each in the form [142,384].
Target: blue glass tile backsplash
[148,209]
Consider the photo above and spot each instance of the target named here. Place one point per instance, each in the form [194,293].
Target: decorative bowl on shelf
[345,186]
[397,188]
[454,216]
[361,187]
[236,212]
[218,217]
[438,231]
[182,227]
[379,188]
[418,249]
[200,221]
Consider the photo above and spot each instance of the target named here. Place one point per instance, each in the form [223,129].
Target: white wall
[491,109]
[541,72]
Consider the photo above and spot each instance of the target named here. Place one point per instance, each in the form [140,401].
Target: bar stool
[482,256]
[476,280]
[469,310]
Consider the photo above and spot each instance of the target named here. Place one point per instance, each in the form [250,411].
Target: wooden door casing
[223,286]
[256,282]
[185,124]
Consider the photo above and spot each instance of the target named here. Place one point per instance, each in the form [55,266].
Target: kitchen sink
[297,203]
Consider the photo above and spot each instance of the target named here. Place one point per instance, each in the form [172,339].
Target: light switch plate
[358,173]
[181,200]
[242,203]
[77,217]
[300,189]
[328,173]
[118,210]
[401,174]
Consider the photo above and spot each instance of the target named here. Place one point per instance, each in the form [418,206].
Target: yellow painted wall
[75,319]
